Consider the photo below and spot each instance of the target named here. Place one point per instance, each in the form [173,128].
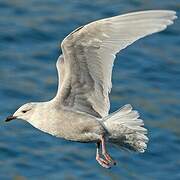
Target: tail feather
[126,130]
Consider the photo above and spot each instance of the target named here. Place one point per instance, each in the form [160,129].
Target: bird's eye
[24,111]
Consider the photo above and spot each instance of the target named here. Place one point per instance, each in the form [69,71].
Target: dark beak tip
[9,118]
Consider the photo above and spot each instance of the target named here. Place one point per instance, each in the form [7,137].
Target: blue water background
[146,75]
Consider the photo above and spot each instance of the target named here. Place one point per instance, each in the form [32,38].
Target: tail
[126,130]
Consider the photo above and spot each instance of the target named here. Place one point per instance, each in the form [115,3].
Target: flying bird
[80,110]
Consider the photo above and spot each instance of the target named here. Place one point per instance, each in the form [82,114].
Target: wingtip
[175,17]
[174,14]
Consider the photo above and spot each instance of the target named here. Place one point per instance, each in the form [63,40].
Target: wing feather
[89,53]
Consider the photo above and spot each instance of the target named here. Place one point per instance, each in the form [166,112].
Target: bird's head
[24,112]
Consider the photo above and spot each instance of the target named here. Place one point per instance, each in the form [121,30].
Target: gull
[80,110]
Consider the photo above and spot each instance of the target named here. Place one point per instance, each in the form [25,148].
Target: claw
[105,154]
[109,159]
[103,162]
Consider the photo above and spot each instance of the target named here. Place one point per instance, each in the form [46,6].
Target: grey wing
[89,53]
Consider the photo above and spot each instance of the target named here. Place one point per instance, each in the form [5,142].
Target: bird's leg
[104,152]
[104,163]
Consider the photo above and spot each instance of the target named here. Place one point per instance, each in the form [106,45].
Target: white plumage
[125,129]
[89,53]
[79,111]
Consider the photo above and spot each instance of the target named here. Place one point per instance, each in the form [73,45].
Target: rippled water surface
[147,75]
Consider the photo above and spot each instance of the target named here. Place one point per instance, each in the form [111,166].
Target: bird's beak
[9,118]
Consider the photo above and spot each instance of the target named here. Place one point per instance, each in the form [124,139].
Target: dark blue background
[147,75]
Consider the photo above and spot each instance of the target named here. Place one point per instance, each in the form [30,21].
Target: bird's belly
[80,131]
[83,138]
[77,133]
[74,127]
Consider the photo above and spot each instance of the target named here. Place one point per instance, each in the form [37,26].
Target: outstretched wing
[89,53]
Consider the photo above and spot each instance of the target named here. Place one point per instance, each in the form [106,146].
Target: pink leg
[105,154]
[104,163]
